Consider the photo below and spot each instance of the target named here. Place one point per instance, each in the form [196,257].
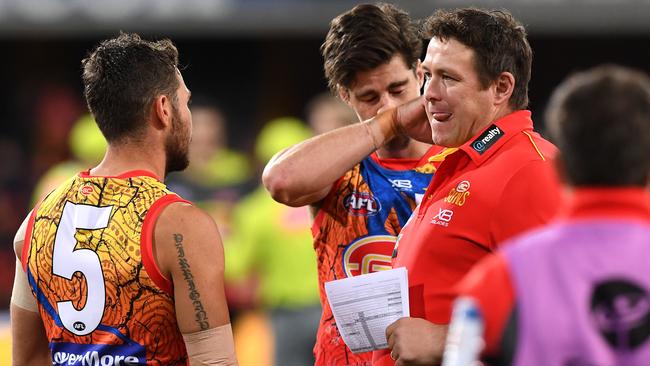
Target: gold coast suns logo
[87,189]
[458,195]
[369,254]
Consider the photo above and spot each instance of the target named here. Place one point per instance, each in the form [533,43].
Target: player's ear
[162,111]
[419,73]
[344,94]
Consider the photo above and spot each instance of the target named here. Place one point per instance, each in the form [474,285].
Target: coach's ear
[503,87]
[162,112]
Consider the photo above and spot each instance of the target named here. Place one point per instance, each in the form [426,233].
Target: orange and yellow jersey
[89,261]
[355,231]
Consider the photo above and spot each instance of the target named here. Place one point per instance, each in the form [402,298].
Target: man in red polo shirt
[589,304]
[500,182]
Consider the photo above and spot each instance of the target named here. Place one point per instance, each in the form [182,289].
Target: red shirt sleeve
[489,284]
[531,198]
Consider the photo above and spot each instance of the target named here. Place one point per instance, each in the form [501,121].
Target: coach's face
[458,106]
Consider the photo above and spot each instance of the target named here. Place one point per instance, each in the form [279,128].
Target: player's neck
[123,158]
[412,150]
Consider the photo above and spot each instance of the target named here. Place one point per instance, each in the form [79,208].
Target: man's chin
[397,143]
[176,166]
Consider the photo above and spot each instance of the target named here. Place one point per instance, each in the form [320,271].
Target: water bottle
[465,337]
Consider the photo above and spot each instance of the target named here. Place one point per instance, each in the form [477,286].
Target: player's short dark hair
[123,76]
[497,39]
[365,37]
[600,120]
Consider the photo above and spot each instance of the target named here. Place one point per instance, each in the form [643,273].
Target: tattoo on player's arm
[200,315]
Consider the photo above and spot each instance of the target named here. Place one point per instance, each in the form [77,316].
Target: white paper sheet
[364,306]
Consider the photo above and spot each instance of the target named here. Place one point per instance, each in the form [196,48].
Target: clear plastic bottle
[465,337]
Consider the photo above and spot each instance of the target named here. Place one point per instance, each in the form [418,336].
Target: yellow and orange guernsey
[89,260]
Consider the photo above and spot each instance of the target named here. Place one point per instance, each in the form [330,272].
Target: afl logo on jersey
[87,189]
[369,254]
[361,204]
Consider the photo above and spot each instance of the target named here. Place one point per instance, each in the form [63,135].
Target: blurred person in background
[217,176]
[12,200]
[269,243]
[57,106]
[112,266]
[590,302]
[53,107]
[87,145]
[214,164]
[326,112]
[360,187]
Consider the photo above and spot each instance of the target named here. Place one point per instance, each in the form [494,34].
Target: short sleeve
[489,284]
[531,198]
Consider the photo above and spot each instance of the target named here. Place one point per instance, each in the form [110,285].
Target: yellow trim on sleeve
[534,145]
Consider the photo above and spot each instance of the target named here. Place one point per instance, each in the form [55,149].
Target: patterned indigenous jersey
[89,261]
[355,232]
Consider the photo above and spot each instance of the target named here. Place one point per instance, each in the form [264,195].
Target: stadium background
[257,59]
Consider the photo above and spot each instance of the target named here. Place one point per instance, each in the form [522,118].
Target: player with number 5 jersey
[89,261]
[112,268]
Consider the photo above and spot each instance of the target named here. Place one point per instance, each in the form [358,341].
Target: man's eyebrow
[365,93]
[397,84]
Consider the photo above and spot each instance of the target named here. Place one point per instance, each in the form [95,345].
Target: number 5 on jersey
[66,260]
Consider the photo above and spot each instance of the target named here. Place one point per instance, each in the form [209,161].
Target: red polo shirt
[500,183]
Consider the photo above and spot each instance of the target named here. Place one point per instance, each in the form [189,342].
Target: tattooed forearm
[200,315]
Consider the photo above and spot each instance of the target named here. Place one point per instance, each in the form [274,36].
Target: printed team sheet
[364,306]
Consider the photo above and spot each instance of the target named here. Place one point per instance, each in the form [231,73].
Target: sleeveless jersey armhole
[315,226]
[146,241]
[27,241]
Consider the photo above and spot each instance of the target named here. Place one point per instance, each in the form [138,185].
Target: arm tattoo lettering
[200,315]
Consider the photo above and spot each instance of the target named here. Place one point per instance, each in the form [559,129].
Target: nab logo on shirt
[361,204]
[369,254]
